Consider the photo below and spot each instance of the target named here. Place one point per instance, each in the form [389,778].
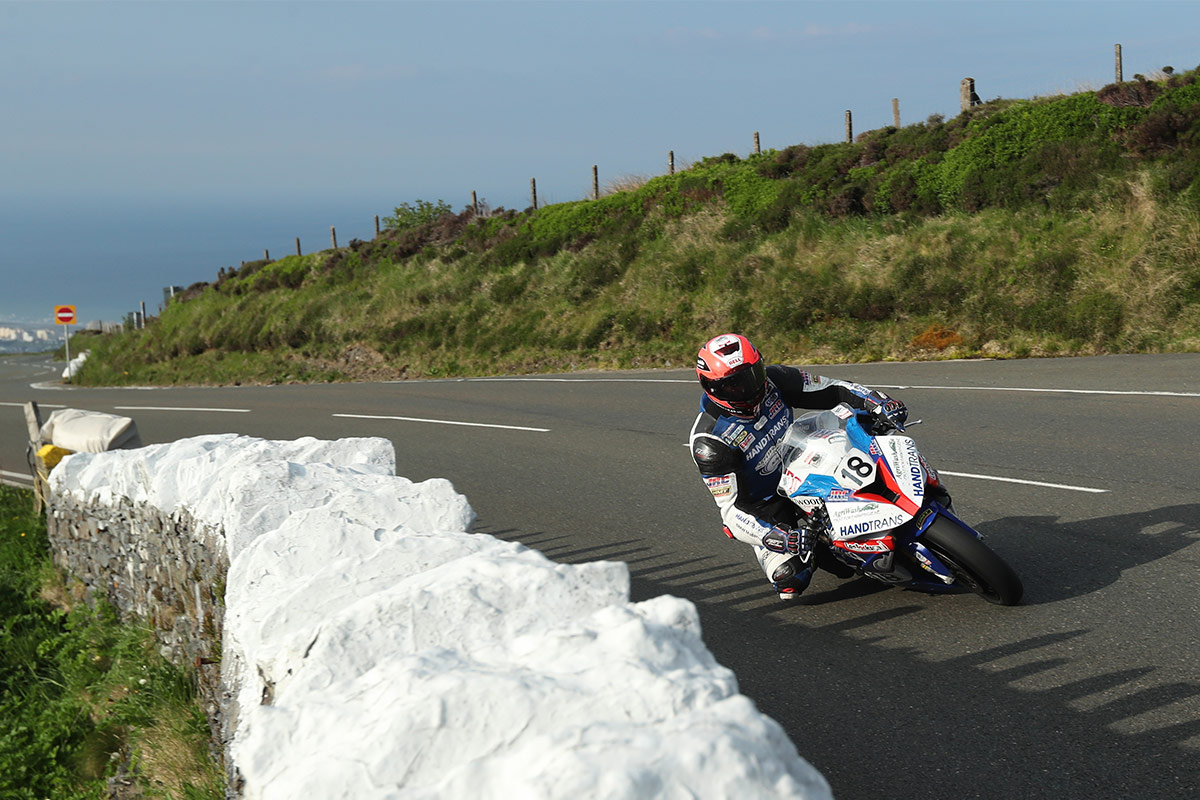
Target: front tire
[973,563]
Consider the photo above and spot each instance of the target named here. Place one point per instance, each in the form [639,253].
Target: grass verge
[84,698]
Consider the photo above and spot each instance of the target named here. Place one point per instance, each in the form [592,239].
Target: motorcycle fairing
[868,484]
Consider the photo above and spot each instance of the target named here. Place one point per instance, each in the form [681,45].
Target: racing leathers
[741,467]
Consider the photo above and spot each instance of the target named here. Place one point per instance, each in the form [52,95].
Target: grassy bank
[1052,226]
[84,698]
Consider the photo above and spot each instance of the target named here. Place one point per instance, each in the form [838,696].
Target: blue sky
[146,144]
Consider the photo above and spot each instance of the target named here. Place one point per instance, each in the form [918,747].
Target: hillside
[1051,226]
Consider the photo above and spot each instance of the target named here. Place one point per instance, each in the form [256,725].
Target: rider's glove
[817,518]
[892,411]
[786,539]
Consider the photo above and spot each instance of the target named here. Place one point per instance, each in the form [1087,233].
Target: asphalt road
[1089,689]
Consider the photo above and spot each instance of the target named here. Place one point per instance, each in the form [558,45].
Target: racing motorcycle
[880,508]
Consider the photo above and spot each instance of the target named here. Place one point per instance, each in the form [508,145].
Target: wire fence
[968,98]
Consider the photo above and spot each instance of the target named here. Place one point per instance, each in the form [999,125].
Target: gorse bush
[412,215]
[1020,227]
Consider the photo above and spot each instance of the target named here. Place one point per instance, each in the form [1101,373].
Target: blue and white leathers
[738,459]
[756,440]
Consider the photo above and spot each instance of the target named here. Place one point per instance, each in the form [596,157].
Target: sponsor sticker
[869,546]
[728,349]
[769,462]
[720,486]
[808,503]
[916,472]
[871,525]
[930,471]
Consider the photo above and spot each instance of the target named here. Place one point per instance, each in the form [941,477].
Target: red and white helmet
[733,374]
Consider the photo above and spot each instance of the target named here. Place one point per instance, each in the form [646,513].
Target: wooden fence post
[533,193]
[757,149]
[33,421]
[670,162]
[474,202]
[595,182]
[333,236]
[896,111]
[1120,70]
[297,245]
[266,254]
[849,127]
[376,226]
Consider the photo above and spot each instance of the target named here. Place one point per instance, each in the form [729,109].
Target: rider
[744,412]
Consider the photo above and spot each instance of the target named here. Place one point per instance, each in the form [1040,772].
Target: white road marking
[515,379]
[179,408]
[1011,480]
[445,422]
[1028,389]
[16,476]
[1028,483]
[874,385]
[40,405]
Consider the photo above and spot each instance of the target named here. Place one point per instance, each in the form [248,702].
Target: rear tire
[973,563]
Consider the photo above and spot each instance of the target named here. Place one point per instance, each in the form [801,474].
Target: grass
[82,696]
[1053,226]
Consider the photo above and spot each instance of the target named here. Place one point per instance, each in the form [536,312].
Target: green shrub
[412,215]
[76,687]
[998,224]
[1096,317]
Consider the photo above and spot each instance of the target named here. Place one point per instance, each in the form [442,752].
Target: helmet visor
[744,386]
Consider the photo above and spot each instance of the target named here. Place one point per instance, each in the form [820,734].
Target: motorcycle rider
[744,412]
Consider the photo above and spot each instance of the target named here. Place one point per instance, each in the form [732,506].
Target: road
[1090,688]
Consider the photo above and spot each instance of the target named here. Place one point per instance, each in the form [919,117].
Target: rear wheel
[973,563]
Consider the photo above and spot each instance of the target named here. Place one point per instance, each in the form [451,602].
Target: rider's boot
[792,577]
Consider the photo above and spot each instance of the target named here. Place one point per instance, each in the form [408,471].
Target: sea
[109,257]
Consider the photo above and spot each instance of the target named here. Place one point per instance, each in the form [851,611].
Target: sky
[392,676]
[149,144]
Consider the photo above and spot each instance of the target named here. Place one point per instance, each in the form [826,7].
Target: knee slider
[787,577]
[784,571]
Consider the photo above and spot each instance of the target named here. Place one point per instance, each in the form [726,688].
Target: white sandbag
[74,364]
[90,431]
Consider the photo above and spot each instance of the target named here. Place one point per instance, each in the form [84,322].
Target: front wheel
[973,563]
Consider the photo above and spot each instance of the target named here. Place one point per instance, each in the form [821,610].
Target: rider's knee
[791,578]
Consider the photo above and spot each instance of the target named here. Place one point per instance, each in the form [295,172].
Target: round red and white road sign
[64,315]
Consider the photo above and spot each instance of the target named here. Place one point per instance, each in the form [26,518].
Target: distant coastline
[17,337]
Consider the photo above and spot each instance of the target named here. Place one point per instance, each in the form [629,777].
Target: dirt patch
[360,362]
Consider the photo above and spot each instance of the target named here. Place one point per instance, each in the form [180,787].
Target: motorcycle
[880,508]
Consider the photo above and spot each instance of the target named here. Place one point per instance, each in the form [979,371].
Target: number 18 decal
[856,470]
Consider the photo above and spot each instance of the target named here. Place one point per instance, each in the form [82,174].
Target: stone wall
[165,569]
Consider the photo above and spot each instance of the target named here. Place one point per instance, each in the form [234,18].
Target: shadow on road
[882,720]
[1061,560]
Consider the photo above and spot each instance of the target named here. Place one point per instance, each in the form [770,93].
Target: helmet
[733,374]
